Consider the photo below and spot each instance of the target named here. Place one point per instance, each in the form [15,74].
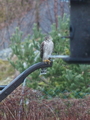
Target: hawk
[46,50]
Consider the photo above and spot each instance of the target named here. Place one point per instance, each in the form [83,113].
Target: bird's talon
[47,61]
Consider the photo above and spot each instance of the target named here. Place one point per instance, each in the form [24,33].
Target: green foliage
[25,51]
[64,80]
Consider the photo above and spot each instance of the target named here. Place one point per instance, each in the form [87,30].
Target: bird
[46,50]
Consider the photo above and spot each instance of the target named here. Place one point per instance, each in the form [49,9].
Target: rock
[5,53]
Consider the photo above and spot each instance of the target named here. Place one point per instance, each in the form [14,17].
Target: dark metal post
[79,32]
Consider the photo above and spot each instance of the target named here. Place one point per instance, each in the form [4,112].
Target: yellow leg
[47,61]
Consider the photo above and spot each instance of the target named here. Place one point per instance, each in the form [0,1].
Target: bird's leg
[47,61]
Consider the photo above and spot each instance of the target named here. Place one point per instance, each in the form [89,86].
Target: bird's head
[48,38]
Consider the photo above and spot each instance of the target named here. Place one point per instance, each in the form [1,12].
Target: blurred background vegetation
[54,96]
[63,80]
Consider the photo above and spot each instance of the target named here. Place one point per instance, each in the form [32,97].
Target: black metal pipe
[18,80]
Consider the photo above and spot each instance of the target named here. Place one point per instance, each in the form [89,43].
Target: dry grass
[27,106]
[6,70]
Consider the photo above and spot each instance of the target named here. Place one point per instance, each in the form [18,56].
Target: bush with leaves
[62,79]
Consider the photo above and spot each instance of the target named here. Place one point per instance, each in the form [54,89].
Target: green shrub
[64,80]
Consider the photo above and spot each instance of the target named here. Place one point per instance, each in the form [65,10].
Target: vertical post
[79,31]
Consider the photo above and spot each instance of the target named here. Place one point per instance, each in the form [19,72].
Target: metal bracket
[58,56]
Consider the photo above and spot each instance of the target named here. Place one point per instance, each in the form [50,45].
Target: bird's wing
[41,49]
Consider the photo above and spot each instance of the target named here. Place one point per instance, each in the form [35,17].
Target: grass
[29,106]
[6,70]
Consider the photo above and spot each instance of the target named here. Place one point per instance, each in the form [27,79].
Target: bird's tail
[43,71]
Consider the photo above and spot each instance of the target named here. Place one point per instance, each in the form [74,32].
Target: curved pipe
[18,80]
